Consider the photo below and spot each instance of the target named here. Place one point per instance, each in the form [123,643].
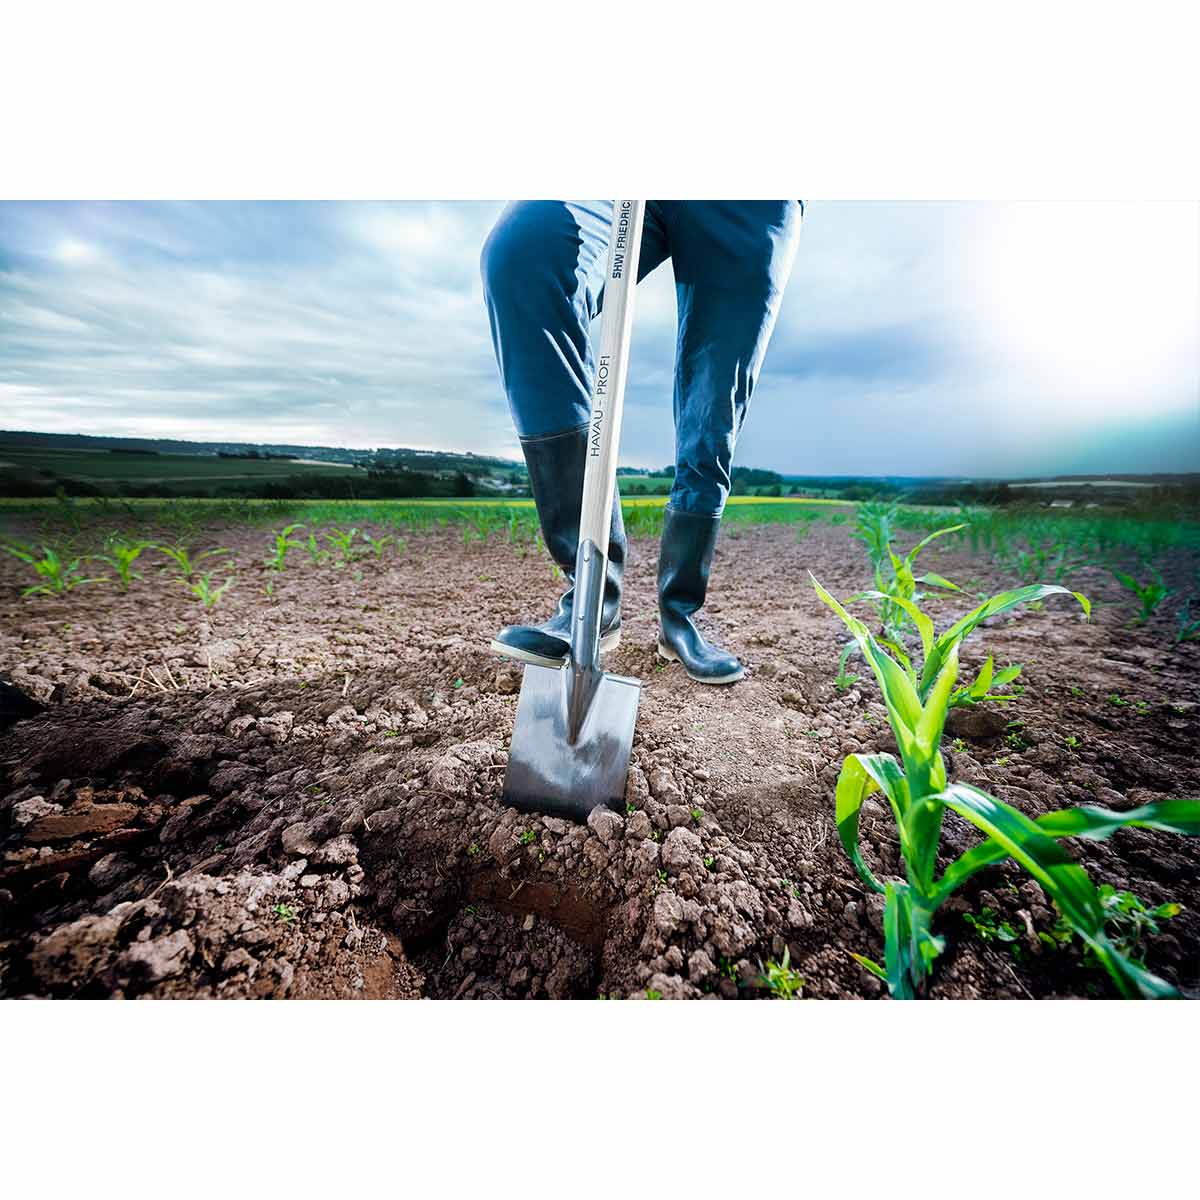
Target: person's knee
[518,261]
[500,257]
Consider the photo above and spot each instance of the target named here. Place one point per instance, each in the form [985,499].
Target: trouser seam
[549,437]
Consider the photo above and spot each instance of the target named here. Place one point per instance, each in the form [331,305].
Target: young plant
[1187,627]
[284,542]
[121,554]
[919,795]
[1149,595]
[935,649]
[895,593]
[873,523]
[378,545]
[842,680]
[988,929]
[1130,921]
[981,691]
[202,588]
[780,980]
[314,549]
[343,541]
[180,555]
[59,575]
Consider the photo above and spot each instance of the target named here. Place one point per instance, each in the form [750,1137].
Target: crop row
[919,687]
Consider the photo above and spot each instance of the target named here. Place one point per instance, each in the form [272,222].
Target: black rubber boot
[556,466]
[688,541]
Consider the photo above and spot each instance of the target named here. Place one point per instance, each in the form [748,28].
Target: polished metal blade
[550,773]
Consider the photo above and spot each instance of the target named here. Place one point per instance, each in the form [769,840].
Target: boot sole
[609,641]
[665,652]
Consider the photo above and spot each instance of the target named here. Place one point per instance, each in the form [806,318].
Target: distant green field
[102,466]
[516,518]
[351,508]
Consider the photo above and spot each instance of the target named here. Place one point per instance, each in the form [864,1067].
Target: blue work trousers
[543,271]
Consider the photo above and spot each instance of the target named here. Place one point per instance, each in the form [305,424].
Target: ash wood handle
[612,364]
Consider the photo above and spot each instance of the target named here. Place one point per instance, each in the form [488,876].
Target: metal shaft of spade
[600,472]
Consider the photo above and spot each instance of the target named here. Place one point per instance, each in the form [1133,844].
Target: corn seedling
[779,979]
[895,592]
[1130,921]
[343,541]
[180,555]
[988,929]
[121,554]
[842,680]
[917,790]
[1187,627]
[284,542]
[315,553]
[981,689]
[1149,595]
[202,588]
[937,648]
[58,575]
[1042,563]
[378,545]
[873,523]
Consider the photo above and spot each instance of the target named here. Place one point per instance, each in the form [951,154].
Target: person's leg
[543,272]
[732,260]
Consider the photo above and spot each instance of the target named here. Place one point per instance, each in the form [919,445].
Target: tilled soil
[297,794]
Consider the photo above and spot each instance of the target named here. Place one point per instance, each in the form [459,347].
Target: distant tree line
[389,485]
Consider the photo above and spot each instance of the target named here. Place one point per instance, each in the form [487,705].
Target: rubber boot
[688,541]
[556,466]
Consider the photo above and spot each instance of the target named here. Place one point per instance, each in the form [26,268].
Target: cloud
[914,338]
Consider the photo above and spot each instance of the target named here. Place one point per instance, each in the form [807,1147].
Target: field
[271,764]
[102,466]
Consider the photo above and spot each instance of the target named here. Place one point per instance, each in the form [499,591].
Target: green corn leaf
[1091,821]
[991,608]
[983,681]
[1087,821]
[920,620]
[901,656]
[935,580]
[933,717]
[870,964]
[1006,676]
[898,691]
[1064,881]
[1034,849]
[897,941]
[862,775]
[937,533]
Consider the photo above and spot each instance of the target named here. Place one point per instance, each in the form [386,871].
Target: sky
[969,339]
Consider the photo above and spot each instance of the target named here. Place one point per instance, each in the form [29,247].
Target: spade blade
[547,772]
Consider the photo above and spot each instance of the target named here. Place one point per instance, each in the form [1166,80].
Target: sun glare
[70,250]
[1100,301]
